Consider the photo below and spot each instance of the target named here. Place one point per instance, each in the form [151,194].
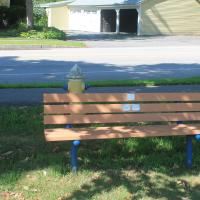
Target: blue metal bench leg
[189,151]
[74,149]
[74,160]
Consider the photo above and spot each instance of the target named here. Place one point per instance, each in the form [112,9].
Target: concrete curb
[32,47]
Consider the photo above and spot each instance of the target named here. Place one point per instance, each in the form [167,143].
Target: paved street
[141,62]
[26,97]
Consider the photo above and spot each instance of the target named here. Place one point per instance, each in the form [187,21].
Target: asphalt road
[142,62]
[26,97]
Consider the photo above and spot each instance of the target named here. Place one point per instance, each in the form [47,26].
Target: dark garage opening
[128,21]
[108,21]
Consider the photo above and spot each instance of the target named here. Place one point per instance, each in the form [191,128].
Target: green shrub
[16,14]
[9,33]
[40,17]
[11,16]
[29,34]
[18,3]
[54,33]
[21,26]
[47,33]
[14,31]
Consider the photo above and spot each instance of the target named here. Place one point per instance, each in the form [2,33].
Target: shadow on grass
[141,166]
[138,185]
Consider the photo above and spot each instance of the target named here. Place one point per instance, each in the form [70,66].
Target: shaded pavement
[42,66]
[24,97]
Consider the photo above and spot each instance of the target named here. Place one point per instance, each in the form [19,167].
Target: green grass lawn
[120,169]
[112,83]
[23,41]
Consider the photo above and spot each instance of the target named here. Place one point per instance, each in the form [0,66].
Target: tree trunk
[29,14]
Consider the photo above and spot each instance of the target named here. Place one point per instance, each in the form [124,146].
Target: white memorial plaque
[126,107]
[131,97]
[135,107]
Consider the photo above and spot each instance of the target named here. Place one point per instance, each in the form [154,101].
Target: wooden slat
[120,118]
[116,108]
[120,132]
[120,97]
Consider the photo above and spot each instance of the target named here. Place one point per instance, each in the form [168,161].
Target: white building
[142,17]
[95,15]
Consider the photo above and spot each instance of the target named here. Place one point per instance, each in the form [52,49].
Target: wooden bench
[164,114]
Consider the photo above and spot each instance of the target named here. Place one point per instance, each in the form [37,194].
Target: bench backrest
[120,108]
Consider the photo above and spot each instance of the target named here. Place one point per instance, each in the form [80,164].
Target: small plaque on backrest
[126,107]
[135,107]
[131,97]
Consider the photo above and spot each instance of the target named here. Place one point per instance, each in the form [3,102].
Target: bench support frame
[189,151]
[74,150]
[74,157]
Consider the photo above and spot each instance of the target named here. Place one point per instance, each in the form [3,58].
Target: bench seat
[63,134]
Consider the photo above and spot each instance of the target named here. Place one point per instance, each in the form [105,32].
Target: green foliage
[29,34]
[18,3]
[54,33]
[40,17]
[40,21]
[47,33]
[9,33]
[14,31]
[11,16]
[112,83]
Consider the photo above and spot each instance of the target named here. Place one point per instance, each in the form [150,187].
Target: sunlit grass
[30,168]
[33,42]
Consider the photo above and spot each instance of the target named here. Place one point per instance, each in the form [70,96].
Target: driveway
[143,61]
[129,40]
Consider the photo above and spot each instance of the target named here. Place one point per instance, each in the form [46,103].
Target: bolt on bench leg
[74,160]
[197,137]
[189,151]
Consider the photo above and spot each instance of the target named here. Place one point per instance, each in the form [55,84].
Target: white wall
[84,20]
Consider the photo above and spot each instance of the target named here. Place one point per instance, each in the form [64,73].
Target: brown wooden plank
[120,97]
[116,108]
[120,118]
[120,132]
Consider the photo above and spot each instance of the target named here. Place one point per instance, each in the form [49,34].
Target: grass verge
[34,42]
[118,169]
[112,83]
[148,82]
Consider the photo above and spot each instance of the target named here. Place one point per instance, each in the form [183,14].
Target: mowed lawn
[34,42]
[120,169]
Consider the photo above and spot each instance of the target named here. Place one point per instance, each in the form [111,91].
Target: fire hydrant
[76,83]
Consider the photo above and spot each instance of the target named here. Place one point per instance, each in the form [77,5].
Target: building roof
[91,3]
[55,4]
[103,2]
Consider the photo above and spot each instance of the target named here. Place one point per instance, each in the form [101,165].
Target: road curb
[32,47]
